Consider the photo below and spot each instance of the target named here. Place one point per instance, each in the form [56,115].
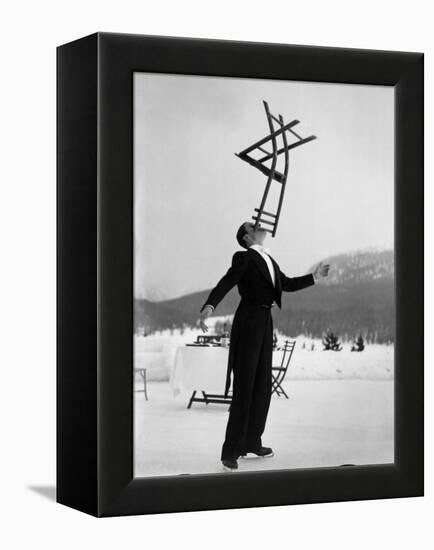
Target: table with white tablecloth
[199,368]
[203,369]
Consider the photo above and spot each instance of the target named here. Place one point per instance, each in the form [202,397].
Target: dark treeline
[375,325]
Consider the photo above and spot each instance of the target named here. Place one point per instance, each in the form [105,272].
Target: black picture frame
[95,275]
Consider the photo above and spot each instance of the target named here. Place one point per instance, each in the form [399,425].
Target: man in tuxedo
[260,284]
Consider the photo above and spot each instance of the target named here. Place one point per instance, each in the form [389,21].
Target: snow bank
[156,353]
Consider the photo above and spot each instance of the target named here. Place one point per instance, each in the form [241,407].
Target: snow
[156,353]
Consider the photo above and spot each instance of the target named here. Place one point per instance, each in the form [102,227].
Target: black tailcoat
[250,352]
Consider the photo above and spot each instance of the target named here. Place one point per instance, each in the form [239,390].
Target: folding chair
[272,219]
[278,373]
[210,398]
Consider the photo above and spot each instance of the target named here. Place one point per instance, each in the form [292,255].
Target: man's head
[246,234]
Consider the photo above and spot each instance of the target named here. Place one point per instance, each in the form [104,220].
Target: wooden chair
[142,373]
[279,372]
[284,132]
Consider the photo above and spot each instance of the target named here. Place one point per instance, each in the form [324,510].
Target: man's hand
[204,315]
[321,270]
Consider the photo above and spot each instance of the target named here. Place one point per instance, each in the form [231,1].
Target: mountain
[362,265]
[356,297]
[153,316]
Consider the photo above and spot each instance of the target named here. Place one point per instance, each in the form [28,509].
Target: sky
[191,193]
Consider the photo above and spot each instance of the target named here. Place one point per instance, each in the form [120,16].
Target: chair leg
[274,386]
[277,388]
[144,384]
[284,392]
[191,399]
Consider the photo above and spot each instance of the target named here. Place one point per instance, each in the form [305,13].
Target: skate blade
[250,456]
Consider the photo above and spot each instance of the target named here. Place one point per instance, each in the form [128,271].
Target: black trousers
[251,387]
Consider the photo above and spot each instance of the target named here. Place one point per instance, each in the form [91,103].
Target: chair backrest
[288,348]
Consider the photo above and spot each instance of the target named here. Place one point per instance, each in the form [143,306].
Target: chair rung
[295,133]
[260,220]
[265,212]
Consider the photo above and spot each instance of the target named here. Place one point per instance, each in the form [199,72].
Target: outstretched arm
[291,284]
[228,281]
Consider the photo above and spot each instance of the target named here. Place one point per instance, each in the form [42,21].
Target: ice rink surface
[323,423]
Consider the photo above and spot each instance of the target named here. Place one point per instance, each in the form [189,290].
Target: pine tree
[331,342]
[358,344]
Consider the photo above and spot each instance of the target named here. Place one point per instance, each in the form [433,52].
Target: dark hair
[240,235]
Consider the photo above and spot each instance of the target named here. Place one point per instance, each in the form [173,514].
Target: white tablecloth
[203,368]
[199,368]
